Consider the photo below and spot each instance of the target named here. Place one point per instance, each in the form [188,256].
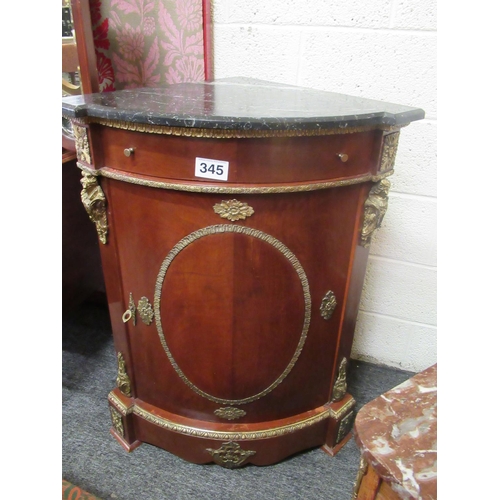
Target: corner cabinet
[234,220]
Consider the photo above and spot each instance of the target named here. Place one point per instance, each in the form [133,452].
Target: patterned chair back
[151,43]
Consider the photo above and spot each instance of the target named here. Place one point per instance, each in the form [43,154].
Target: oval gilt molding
[285,251]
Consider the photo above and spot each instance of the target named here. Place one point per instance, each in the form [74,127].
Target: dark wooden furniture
[82,277]
[234,221]
[397,436]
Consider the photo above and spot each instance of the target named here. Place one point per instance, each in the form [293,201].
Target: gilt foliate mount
[233,210]
[94,201]
[374,211]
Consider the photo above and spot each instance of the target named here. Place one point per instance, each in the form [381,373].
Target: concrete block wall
[385,50]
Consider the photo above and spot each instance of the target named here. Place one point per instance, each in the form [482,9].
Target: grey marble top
[239,104]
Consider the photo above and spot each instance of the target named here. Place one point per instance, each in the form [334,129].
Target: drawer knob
[128,152]
[343,157]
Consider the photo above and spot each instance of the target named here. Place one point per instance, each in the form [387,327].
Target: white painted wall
[379,49]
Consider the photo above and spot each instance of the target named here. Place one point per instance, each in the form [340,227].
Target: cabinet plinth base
[333,450]
[228,444]
[125,445]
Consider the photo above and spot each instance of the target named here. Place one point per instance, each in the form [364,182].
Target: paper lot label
[211,169]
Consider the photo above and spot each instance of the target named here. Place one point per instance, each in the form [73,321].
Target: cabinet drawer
[251,160]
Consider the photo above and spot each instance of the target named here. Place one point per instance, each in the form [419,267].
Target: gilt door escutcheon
[145,310]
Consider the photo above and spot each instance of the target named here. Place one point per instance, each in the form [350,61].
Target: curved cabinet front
[237,310]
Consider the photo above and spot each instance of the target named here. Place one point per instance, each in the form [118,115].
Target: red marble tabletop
[396,434]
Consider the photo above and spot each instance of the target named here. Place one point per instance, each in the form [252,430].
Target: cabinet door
[238,304]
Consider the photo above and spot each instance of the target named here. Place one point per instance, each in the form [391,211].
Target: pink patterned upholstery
[147,43]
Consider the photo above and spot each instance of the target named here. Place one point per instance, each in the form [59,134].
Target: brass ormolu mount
[123,380]
[233,210]
[328,305]
[375,209]
[340,386]
[144,308]
[94,201]
[230,455]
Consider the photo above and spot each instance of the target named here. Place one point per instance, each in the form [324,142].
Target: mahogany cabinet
[234,220]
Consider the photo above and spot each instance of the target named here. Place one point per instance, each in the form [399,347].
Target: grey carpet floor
[93,460]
